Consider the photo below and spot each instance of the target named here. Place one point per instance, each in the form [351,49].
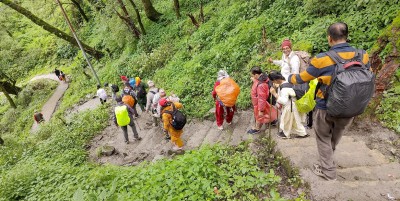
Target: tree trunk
[127,19]
[10,100]
[60,34]
[176,8]
[201,15]
[138,16]
[194,21]
[81,11]
[150,11]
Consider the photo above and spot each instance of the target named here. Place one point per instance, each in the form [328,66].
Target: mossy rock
[107,150]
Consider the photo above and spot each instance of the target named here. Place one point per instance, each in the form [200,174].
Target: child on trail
[290,62]
[291,119]
[168,108]
[102,94]
[114,90]
[219,106]
[123,116]
[264,112]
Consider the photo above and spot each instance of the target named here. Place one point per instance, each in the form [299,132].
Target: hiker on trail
[102,94]
[140,89]
[172,126]
[329,127]
[129,97]
[156,106]
[123,116]
[114,90]
[153,90]
[220,107]
[291,119]
[264,112]
[60,75]
[57,72]
[38,117]
[290,62]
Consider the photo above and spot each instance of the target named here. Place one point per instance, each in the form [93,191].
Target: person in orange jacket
[175,135]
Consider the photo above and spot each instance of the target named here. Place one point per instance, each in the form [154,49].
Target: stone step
[351,190]
[346,156]
[241,124]
[304,142]
[384,172]
[197,136]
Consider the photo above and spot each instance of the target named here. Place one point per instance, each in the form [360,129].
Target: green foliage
[389,110]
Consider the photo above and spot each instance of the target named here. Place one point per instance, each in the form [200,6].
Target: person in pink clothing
[263,111]
[219,107]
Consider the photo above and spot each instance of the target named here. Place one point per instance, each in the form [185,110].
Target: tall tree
[176,8]
[150,11]
[127,19]
[138,17]
[80,9]
[90,50]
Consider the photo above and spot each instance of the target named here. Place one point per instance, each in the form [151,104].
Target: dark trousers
[310,119]
[125,130]
[329,131]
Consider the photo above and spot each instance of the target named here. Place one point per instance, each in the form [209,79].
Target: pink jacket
[259,94]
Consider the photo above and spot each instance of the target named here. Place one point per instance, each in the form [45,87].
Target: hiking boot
[167,137]
[274,123]
[253,131]
[138,139]
[220,128]
[302,136]
[317,170]
[229,123]
[282,135]
[126,141]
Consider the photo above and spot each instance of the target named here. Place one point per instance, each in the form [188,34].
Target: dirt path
[49,107]
[154,146]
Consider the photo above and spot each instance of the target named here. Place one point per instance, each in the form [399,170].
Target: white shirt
[289,65]
[101,93]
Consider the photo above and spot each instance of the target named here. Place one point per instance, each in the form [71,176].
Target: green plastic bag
[121,112]
[307,103]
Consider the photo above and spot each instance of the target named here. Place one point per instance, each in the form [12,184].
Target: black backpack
[140,91]
[115,88]
[351,88]
[178,118]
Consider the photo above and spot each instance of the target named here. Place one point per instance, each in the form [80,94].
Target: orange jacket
[167,119]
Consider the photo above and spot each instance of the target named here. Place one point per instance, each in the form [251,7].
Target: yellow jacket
[167,119]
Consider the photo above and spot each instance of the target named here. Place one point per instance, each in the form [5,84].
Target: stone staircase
[363,174]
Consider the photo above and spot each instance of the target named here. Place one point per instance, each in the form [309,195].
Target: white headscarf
[222,74]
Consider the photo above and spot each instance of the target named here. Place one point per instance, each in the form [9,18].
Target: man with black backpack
[345,88]
[173,122]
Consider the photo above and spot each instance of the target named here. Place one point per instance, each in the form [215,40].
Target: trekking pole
[137,123]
